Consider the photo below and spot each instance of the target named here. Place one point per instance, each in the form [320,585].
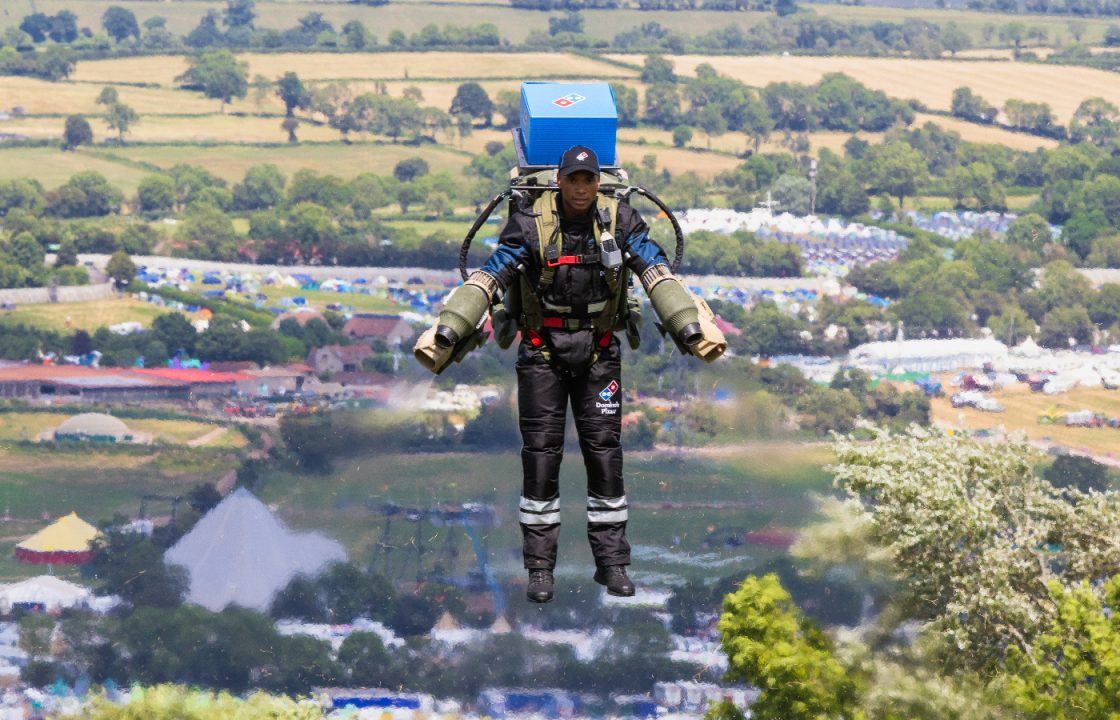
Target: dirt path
[208,437]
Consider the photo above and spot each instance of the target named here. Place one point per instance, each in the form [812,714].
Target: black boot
[540,585]
[616,580]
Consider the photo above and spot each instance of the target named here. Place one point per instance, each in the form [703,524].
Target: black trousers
[545,387]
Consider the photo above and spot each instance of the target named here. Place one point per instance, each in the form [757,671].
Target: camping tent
[240,553]
[63,542]
[46,590]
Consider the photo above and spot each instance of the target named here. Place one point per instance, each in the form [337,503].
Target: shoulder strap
[611,317]
[548,234]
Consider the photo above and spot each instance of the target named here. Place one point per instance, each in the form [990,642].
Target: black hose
[678,256]
[466,247]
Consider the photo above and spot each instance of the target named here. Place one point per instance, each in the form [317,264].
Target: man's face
[578,190]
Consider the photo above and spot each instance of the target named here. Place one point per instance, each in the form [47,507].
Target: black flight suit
[559,366]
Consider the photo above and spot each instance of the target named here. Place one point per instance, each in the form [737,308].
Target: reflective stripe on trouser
[544,393]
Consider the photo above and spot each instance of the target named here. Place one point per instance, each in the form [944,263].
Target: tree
[1104,305]
[120,268]
[131,565]
[155,194]
[1063,324]
[896,168]
[120,24]
[626,101]
[657,70]
[1029,232]
[175,331]
[120,117]
[771,645]
[1095,120]
[410,168]
[26,251]
[36,25]
[507,103]
[239,14]
[85,194]
[218,74]
[682,135]
[77,132]
[67,254]
[108,96]
[710,119]
[292,93]
[782,8]
[793,193]
[970,106]
[64,27]
[290,125]
[954,38]
[366,661]
[663,105]
[824,410]
[1083,473]
[208,232]
[262,187]
[471,99]
[980,572]
[1071,671]
[1014,33]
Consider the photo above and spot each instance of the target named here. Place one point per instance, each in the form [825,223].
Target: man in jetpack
[560,275]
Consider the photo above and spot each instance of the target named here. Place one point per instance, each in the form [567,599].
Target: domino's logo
[582,156]
[568,100]
[608,392]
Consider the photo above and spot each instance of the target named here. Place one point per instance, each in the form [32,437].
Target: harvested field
[162,70]
[930,81]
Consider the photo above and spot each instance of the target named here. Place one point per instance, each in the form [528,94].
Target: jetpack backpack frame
[533,190]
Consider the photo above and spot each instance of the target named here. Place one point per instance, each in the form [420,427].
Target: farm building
[73,383]
[201,383]
[338,358]
[390,328]
[95,427]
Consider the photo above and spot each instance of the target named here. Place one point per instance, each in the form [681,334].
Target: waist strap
[589,259]
[590,308]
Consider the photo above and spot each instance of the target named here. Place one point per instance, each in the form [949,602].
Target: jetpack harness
[555,117]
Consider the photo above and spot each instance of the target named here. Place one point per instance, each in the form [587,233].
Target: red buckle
[552,322]
[564,260]
[605,340]
[534,338]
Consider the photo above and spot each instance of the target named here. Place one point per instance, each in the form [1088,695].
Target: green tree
[292,93]
[682,135]
[207,232]
[77,132]
[155,194]
[1104,305]
[366,661]
[793,194]
[131,566]
[507,103]
[896,168]
[218,74]
[410,169]
[771,645]
[120,23]
[120,268]
[1073,668]
[1096,120]
[1063,324]
[108,96]
[121,117]
[471,99]
[262,187]
[290,125]
[175,331]
[657,70]
[26,251]
[86,194]
[663,105]
[626,100]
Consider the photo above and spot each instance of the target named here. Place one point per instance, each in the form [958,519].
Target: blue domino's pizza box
[556,116]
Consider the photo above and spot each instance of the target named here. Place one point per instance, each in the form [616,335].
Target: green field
[15,426]
[97,484]
[88,316]
[515,25]
[760,486]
